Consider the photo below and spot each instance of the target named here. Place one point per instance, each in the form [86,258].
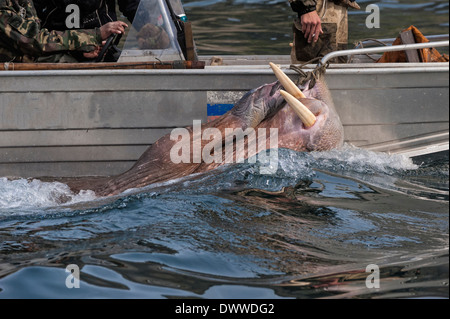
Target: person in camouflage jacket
[23,40]
[321,27]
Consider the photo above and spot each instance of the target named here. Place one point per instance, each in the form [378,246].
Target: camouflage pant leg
[332,13]
[335,37]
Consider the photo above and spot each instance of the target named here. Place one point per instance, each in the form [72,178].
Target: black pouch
[326,43]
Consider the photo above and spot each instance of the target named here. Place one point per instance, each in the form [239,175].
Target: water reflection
[309,231]
[264,27]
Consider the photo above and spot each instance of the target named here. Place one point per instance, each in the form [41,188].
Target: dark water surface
[308,231]
[264,26]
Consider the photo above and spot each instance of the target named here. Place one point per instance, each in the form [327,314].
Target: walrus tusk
[307,117]
[286,82]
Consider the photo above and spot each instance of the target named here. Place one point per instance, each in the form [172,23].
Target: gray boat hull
[98,122]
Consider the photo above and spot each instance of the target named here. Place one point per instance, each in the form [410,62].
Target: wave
[33,193]
[291,167]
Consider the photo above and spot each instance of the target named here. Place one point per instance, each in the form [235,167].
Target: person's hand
[116,27]
[94,54]
[311,26]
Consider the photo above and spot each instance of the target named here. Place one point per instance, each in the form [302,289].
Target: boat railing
[392,48]
[390,41]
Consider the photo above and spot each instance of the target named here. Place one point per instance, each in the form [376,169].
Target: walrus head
[306,121]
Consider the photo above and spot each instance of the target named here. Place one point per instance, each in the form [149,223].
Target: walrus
[307,122]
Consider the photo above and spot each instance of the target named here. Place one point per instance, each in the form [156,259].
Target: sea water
[265,26]
[308,231]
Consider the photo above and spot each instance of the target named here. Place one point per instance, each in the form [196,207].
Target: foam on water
[292,167]
[377,169]
[24,193]
[362,161]
[347,161]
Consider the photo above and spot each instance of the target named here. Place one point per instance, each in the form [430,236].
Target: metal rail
[392,48]
[389,41]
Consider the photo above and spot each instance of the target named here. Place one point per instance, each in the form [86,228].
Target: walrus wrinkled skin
[263,107]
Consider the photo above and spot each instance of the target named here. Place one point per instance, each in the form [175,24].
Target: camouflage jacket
[305,6]
[23,40]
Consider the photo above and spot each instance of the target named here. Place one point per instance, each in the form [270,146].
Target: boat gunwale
[385,68]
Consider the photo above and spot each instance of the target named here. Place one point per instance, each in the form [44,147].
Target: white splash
[374,167]
[34,193]
[361,160]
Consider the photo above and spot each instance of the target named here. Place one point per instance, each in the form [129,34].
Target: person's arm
[303,6]
[129,8]
[25,35]
[79,40]
[310,20]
